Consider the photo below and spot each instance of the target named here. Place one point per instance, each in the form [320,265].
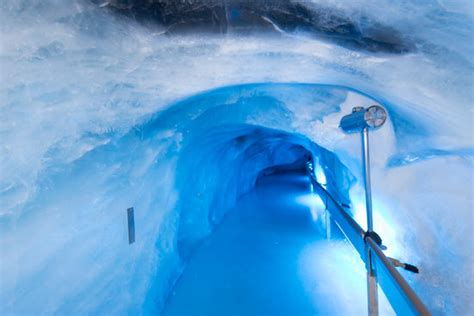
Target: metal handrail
[400,295]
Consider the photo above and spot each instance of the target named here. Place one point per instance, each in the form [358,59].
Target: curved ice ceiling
[103,108]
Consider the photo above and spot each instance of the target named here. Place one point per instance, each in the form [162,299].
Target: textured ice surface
[100,113]
[270,256]
[243,16]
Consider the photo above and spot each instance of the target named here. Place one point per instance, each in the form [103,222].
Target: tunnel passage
[67,182]
[268,257]
[223,141]
[230,160]
[247,212]
[180,169]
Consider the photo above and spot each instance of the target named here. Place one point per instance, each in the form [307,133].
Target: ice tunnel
[218,122]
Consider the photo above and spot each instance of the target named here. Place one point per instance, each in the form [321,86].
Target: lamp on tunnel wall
[361,120]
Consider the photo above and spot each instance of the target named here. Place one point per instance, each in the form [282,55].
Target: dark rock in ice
[245,16]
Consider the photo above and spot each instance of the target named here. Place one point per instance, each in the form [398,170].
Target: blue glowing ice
[100,114]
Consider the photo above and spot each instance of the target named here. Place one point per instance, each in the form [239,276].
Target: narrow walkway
[268,258]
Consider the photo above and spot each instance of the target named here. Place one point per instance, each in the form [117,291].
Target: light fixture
[372,117]
[361,120]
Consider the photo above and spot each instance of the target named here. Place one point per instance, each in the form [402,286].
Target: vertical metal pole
[372,294]
[368,189]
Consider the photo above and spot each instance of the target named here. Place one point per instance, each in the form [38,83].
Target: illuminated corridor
[152,156]
[270,256]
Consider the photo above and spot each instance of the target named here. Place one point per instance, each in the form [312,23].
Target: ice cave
[189,157]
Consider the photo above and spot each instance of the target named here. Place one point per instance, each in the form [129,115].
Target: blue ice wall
[180,169]
[100,113]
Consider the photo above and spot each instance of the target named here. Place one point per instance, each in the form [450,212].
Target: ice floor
[270,257]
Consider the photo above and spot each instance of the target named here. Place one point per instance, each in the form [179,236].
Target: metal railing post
[360,120]
[368,188]
[372,293]
[380,269]
[403,299]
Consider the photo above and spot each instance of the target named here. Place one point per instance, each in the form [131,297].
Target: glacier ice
[100,113]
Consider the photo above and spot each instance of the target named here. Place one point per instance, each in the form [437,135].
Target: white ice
[99,114]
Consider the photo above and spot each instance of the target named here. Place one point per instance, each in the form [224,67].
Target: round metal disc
[375,116]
